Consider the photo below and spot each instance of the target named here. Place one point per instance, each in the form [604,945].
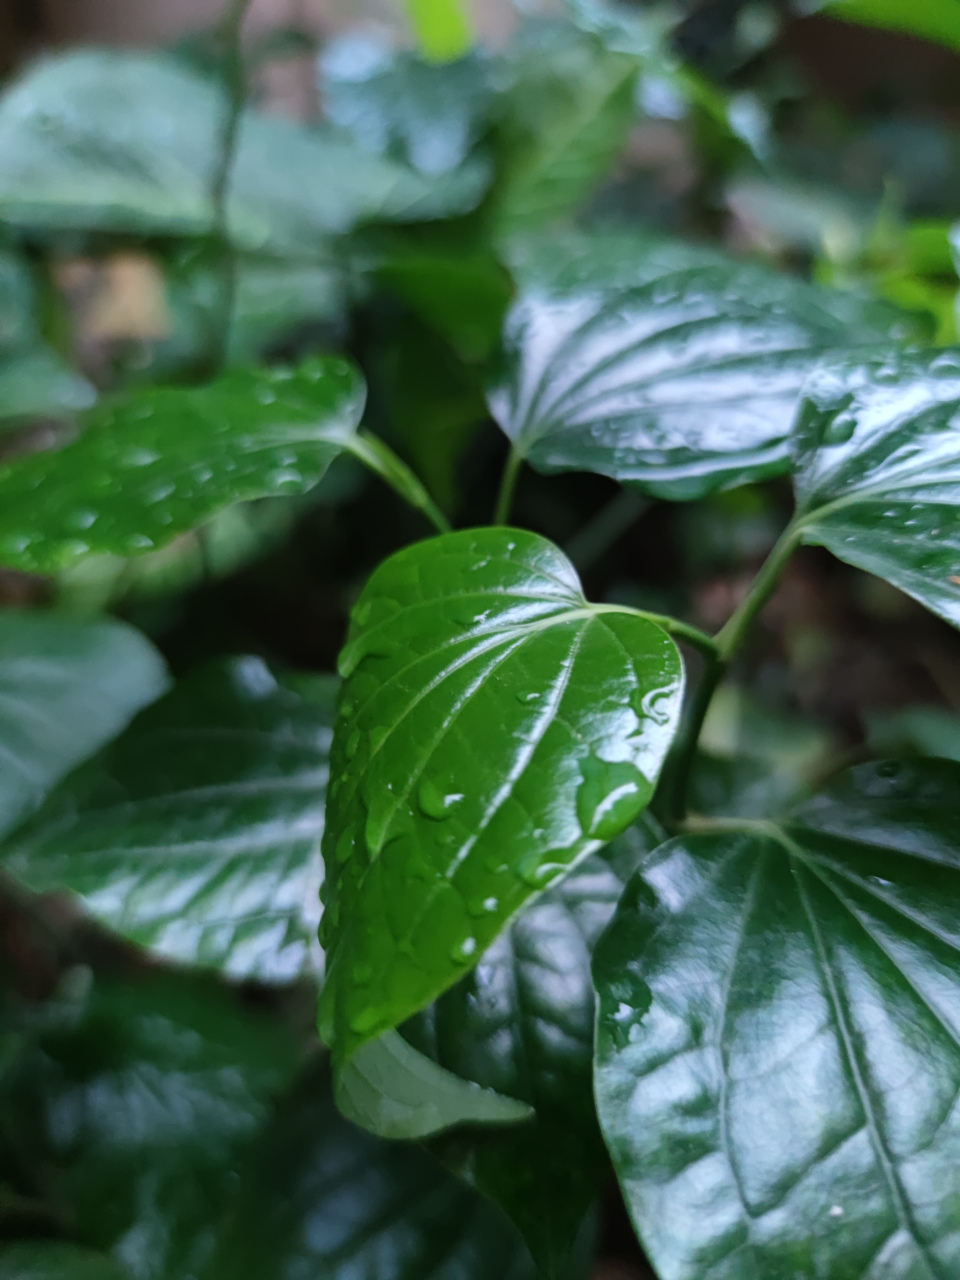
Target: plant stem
[508,485]
[230,40]
[381,459]
[685,631]
[726,644]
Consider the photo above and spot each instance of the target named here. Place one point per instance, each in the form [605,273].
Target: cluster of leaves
[554,937]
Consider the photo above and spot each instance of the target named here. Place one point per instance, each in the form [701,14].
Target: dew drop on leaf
[435,803]
[353,744]
[462,952]
[611,795]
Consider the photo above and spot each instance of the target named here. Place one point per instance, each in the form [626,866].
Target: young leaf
[664,365]
[128,142]
[522,1023]
[162,461]
[931,19]
[145,1098]
[493,729]
[778,1044]
[66,687]
[197,833]
[877,453]
[52,1260]
[566,114]
[321,1198]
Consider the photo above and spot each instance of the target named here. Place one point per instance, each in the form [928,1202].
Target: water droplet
[139,542]
[137,457]
[82,519]
[528,697]
[346,846]
[840,429]
[435,803]
[266,395]
[611,795]
[464,950]
[835,1211]
[657,705]
[482,906]
[347,708]
[361,614]
[365,1021]
[353,743]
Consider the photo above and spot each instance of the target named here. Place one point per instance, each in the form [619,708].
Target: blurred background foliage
[387,154]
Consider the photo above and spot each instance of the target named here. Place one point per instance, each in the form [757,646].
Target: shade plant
[389,970]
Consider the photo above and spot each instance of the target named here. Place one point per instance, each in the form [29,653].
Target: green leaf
[878,470]
[392,1090]
[66,688]
[197,833]
[662,364]
[930,19]
[128,142]
[522,1023]
[162,461]
[778,1044]
[145,1097]
[493,729]
[567,111]
[394,103]
[321,1198]
[50,1260]
[442,28]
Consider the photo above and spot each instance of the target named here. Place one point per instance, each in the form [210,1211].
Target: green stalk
[726,644]
[381,459]
[508,487]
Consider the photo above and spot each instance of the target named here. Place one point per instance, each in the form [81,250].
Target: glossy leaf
[778,1044]
[162,461]
[145,1098]
[567,109]
[52,1260]
[67,686]
[493,729]
[128,142]
[427,114]
[522,1023]
[197,833]
[322,1198]
[662,364]
[877,453]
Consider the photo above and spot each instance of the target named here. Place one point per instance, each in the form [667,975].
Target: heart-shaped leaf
[522,1023]
[321,1198]
[67,686]
[197,833]
[493,729]
[877,450]
[163,461]
[129,142]
[778,1044]
[661,364]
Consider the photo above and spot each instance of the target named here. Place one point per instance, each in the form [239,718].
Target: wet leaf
[877,451]
[662,364]
[493,729]
[162,461]
[778,1044]
[197,833]
[67,686]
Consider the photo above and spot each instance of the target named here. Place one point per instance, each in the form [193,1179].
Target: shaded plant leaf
[493,729]
[568,104]
[67,686]
[662,364]
[162,461]
[145,1095]
[321,1197]
[877,454]
[778,1044]
[53,1260]
[522,1023]
[197,833]
[128,142]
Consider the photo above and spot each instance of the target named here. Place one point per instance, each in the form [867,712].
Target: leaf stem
[380,458]
[726,643]
[508,486]
[229,38]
